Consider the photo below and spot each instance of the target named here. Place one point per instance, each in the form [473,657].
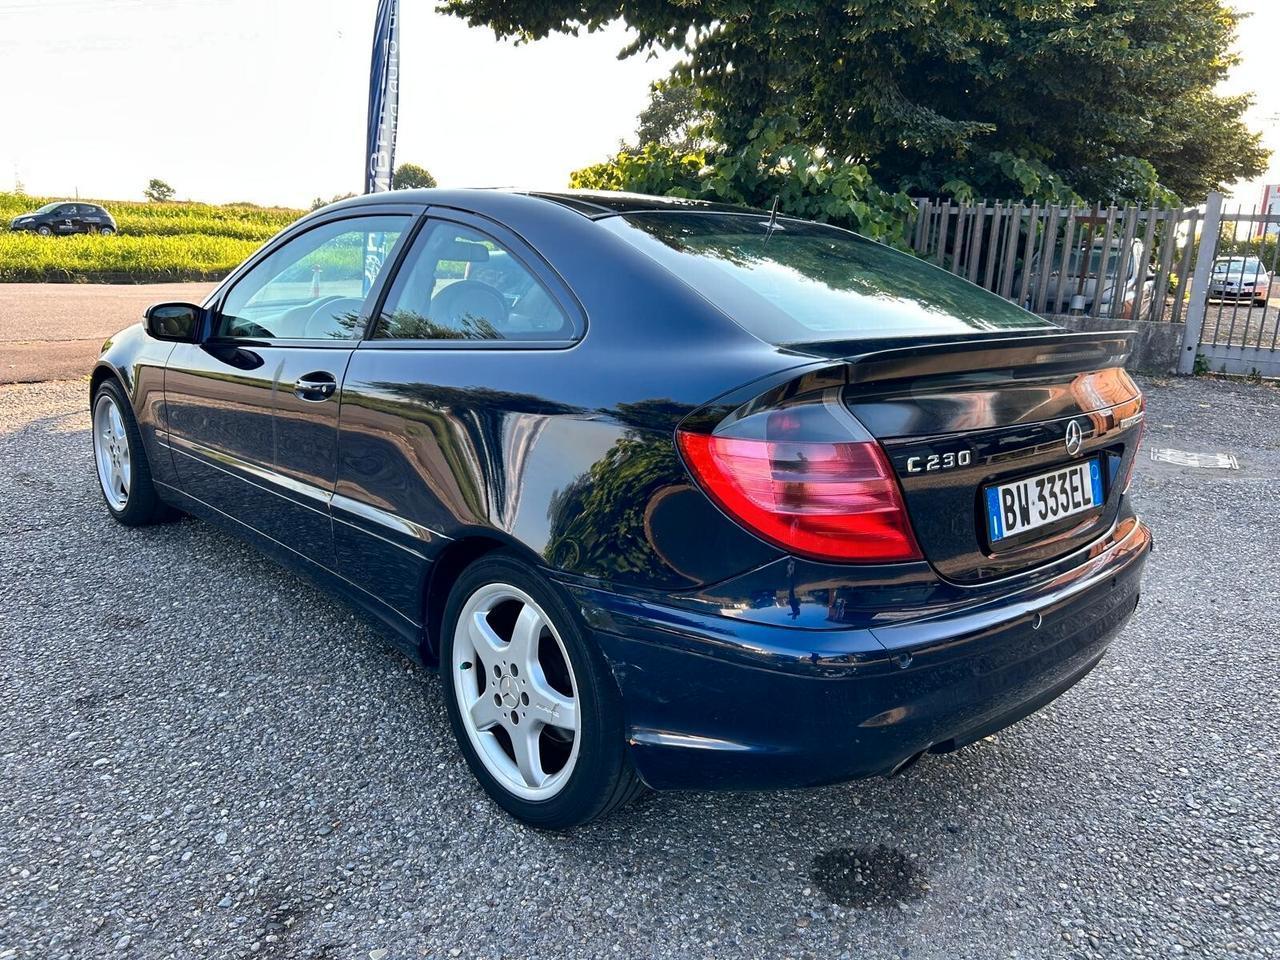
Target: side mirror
[175,321]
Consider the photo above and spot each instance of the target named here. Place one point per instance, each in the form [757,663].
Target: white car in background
[1081,283]
[1239,278]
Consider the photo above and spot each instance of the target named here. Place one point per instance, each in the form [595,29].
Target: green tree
[158,191]
[410,176]
[674,117]
[319,202]
[771,167]
[1033,98]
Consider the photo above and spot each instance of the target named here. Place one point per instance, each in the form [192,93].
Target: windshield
[808,283]
[50,207]
[1238,265]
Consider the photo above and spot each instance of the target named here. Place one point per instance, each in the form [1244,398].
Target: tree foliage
[674,117]
[1034,98]
[410,176]
[771,166]
[158,191]
[319,202]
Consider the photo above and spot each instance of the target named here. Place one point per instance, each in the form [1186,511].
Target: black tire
[602,779]
[44,230]
[106,231]
[143,505]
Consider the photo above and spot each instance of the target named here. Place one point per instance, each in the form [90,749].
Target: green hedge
[156,242]
[26,257]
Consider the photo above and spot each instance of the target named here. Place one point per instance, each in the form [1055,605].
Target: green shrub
[805,182]
[122,258]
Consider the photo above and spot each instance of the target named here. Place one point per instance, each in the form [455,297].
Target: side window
[314,286]
[67,210]
[460,284]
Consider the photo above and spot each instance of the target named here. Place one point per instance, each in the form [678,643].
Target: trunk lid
[958,417]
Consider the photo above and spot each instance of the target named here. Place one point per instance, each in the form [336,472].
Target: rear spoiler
[1056,353]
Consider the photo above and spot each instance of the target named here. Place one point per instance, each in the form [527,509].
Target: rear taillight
[1137,447]
[1133,464]
[824,499]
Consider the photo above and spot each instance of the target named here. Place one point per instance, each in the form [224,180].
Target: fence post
[922,226]
[1205,252]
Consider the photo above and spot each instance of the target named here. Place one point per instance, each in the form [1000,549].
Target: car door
[439,427]
[253,409]
[91,219]
[67,219]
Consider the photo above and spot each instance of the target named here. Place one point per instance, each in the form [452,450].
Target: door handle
[315,387]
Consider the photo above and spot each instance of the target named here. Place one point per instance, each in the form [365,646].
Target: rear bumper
[716,703]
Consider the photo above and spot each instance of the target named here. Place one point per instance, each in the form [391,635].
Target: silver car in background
[1240,278]
[1083,282]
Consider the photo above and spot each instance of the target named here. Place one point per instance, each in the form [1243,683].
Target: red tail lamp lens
[828,501]
[1137,447]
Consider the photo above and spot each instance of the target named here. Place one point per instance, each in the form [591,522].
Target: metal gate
[1090,260]
[1234,318]
[1214,271]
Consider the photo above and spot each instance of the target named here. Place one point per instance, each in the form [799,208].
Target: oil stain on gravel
[868,877]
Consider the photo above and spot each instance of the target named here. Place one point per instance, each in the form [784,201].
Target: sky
[264,100]
[1258,44]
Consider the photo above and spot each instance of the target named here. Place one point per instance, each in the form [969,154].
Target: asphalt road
[51,331]
[202,756]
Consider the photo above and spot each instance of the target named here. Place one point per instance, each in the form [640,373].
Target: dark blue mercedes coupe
[670,493]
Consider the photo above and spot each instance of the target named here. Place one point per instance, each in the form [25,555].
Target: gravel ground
[1241,323]
[202,756]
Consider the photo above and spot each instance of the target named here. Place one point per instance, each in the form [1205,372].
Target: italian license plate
[1015,508]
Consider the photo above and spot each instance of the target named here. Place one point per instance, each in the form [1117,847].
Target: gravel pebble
[203,756]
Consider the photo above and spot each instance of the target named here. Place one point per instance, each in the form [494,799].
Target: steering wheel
[323,321]
[467,306]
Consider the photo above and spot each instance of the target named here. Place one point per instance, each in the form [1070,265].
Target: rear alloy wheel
[533,706]
[123,472]
[106,231]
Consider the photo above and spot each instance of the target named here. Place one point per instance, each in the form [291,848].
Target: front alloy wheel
[123,472]
[111,451]
[531,700]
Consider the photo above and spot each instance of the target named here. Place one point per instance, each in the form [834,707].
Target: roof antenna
[773,218]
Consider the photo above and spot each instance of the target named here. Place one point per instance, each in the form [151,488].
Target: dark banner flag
[384,98]
[380,141]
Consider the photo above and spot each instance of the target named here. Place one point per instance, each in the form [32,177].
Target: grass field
[156,242]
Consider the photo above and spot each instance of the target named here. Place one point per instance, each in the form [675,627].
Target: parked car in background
[1240,278]
[671,493]
[66,216]
[1078,289]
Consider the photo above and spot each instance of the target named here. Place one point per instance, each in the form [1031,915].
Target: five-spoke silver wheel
[111,451]
[516,691]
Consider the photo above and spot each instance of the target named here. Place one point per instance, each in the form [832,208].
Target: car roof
[604,203]
[593,204]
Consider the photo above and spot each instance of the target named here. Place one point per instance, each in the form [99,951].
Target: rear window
[808,283]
